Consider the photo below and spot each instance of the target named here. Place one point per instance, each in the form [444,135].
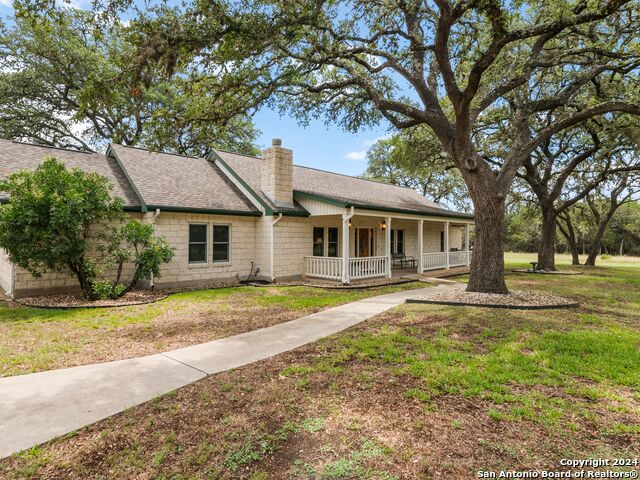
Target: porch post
[387,245]
[420,245]
[345,246]
[466,242]
[446,244]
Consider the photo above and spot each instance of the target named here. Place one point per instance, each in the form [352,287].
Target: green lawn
[420,392]
[34,340]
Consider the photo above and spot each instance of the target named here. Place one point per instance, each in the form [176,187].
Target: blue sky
[318,145]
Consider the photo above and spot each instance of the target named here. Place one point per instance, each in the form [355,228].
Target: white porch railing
[432,261]
[367,267]
[324,267]
[458,259]
[330,268]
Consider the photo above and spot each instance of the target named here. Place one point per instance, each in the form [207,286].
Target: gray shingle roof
[15,156]
[190,183]
[248,169]
[341,188]
[164,180]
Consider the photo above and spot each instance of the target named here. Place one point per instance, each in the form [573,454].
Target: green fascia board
[111,153]
[267,209]
[212,211]
[340,203]
[294,213]
[320,198]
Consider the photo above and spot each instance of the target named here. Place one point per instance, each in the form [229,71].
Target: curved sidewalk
[38,407]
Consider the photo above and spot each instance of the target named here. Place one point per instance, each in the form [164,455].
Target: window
[399,246]
[221,243]
[318,241]
[397,241]
[197,243]
[333,242]
[442,241]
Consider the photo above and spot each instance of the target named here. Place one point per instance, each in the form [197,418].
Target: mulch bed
[518,300]
[135,297]
[545,272]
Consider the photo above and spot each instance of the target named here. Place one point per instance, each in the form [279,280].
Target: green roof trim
[341,203]
[267,209]
[210,211]
[111,153]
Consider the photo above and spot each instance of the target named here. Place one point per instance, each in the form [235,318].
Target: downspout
[273,246]
[12,282]
[156,214]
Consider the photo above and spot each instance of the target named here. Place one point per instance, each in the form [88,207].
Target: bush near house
[56,215]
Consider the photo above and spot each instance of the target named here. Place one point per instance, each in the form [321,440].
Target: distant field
[562,259]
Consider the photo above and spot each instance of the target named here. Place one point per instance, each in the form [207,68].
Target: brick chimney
[277,174]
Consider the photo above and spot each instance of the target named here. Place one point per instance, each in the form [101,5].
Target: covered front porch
[362,245]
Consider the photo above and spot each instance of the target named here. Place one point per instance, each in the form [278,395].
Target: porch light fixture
[383,226]
[350,224]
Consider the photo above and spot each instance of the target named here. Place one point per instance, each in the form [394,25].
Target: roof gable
[170,181]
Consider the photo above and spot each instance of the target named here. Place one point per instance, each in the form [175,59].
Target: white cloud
[7,3]
[360,155]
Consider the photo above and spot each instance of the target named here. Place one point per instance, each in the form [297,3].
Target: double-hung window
[332,242]
[318,242]
[221,244]
[397,241]
[197,243]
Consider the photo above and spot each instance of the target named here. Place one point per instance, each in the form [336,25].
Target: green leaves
[78,80]
[56,218]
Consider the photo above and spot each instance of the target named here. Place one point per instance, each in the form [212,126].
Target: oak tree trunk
[547,246]
[487,265]
[569,234]
[596,245]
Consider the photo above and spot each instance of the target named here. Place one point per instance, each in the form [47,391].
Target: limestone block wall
[293,242]
[175,228]
[263,246]
[6,272]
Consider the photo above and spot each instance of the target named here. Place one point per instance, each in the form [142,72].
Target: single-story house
[229,215]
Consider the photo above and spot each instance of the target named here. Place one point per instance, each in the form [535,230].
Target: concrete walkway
[38,407]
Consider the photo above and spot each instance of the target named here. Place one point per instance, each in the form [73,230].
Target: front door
[364,242]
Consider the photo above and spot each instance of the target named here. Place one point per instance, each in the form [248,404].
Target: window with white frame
[221,243]
[397,241]
[197,244]
[318,241]
[332,242]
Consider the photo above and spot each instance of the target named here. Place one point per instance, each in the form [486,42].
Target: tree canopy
[477,74]
[79,81]
[413,158]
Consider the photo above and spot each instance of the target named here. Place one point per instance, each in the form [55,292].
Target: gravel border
[545,272]
[494,305]
[516,300]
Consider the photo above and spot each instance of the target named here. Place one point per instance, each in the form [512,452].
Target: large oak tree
[452,66]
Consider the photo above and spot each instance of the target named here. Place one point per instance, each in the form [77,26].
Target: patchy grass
[420,392]
[33,340]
